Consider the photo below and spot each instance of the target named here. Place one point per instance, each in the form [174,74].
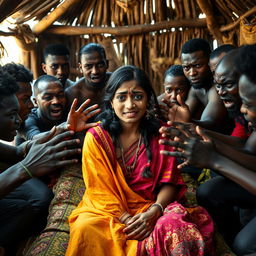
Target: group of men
[209,89]
[230,195]
[39,124]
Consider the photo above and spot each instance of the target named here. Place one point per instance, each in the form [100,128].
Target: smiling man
[93,65]
[50,101]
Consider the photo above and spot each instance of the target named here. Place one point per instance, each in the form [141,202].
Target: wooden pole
[125,30]
[53,16]
[212,24]
[237,22]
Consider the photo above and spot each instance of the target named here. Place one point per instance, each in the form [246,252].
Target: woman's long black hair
[149,124]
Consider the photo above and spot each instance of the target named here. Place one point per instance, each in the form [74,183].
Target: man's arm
[214,112]
[30,128]
[44,156]
[193,102]
[202,153]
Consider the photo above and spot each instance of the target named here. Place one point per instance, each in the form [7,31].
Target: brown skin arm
[236,142]
[11,154]
[241,175]
[193,102]
[213,113]
[141,225]
[204,153]
[43,157]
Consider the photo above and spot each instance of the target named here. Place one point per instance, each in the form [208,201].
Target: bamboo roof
[151,31]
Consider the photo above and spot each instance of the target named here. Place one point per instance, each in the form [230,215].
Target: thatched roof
[147,33]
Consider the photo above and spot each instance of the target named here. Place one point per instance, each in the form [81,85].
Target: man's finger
[83,106]
[47,136]
[171,153]
[67,153]
[73,106]
[66,143]
[60,137]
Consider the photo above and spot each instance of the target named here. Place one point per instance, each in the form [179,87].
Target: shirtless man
[24,199]
[203,98]
[56,63]
[217,54]
[93,64]
[235,162]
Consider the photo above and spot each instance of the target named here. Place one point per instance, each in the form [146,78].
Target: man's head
[217,55]
[49,98]
[93,64]
[23,77]
[56,62]
[175,83]
[195,57]
[226,82]
[246,63]
[9,107]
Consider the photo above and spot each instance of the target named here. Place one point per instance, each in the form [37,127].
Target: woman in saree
[131,203]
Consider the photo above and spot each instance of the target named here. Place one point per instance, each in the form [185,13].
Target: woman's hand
[77,119]
[141,225]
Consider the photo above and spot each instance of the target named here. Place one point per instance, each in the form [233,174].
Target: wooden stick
[234,24]
[212,24]
[125,30]
[53,16]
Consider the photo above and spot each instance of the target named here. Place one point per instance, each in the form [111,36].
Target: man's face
[175,85]
[50,100]
[226,84]
[24,97]
[196,68]
[94,68]
[213,62]
[57,66]
[247,92]
[9,118]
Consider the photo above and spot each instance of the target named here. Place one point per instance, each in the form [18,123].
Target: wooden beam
[53,16]
[237,22]
[212,24]
[125,30]
[7,8]
[3,33]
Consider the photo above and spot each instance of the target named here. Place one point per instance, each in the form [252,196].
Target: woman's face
[130,103]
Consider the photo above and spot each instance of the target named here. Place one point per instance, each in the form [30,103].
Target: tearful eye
[121,97]
[138,97]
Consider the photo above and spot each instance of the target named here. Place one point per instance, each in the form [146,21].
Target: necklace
[129,169]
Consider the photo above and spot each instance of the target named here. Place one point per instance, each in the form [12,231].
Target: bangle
[26,170]
[124,217]
[159,207]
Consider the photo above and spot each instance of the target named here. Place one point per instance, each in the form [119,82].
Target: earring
[148,115]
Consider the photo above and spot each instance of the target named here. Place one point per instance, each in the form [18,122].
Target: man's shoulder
[33,114]
[108,74]
[75,86]
[69,83]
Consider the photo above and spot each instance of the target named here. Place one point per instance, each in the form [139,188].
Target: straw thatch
[146,33]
